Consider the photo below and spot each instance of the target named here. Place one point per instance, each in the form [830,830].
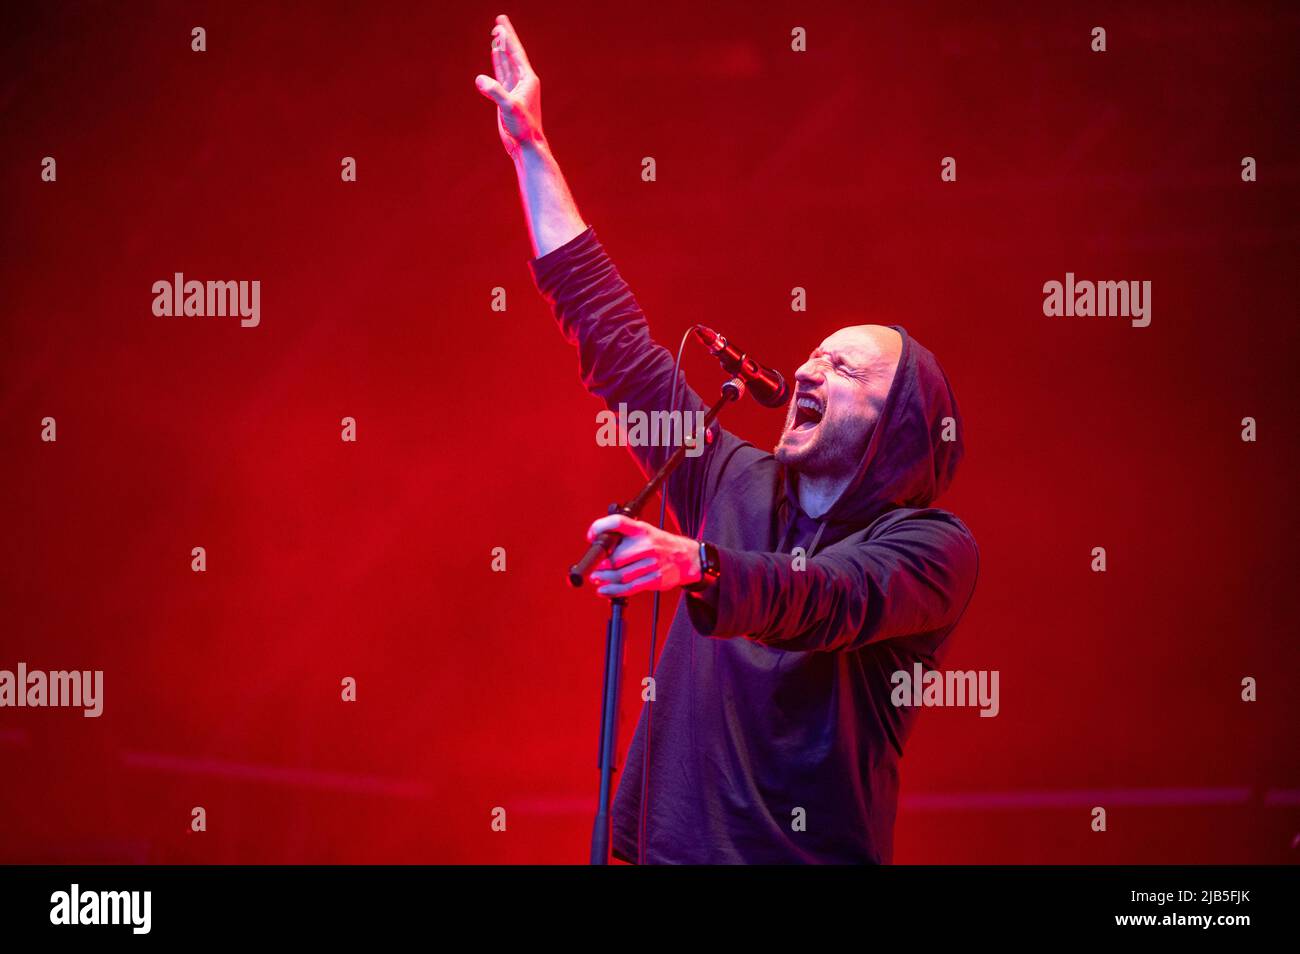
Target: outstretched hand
[517,89]
[647,558]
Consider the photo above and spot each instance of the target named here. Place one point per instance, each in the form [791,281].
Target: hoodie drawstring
[816,537]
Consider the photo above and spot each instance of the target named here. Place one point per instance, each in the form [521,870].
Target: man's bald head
[878,347]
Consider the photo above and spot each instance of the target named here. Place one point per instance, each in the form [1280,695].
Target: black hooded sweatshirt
[773,738]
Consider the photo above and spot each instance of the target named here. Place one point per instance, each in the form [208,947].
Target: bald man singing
[811,574]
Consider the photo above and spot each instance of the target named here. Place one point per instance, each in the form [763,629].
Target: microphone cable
[642,810]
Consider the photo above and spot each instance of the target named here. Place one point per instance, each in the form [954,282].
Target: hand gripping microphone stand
[600,548]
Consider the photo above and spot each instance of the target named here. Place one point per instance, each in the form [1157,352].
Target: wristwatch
[710,569]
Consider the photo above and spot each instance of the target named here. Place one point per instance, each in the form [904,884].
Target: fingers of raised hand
[505,37]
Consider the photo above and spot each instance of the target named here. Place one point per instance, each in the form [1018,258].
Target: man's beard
[832,449]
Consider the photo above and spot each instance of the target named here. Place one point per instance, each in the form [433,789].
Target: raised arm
[600,317]
[552,215]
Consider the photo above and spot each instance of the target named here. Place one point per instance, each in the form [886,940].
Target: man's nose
[810,374]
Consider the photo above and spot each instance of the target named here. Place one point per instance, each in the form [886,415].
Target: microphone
[767,386]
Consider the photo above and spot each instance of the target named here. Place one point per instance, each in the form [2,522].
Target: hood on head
[906,463]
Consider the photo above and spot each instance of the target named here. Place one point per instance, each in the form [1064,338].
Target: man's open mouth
[808,412]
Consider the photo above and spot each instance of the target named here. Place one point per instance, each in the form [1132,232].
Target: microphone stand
[600,548]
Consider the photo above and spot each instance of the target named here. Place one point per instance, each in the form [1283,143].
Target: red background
[775,169]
